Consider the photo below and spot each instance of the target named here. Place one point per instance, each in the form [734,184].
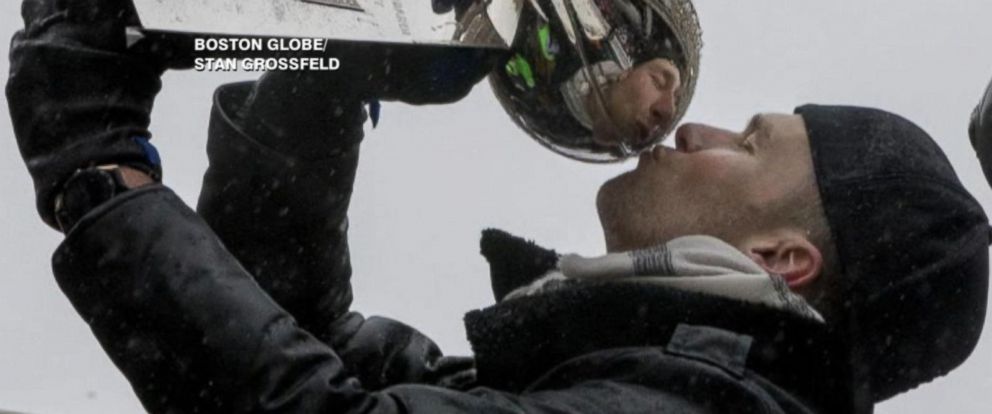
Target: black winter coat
[243,306]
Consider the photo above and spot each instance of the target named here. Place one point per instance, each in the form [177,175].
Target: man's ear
[790,255]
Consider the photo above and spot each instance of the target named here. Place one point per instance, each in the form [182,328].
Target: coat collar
[514,346]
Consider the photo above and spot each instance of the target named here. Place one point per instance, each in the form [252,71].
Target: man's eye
[658,83]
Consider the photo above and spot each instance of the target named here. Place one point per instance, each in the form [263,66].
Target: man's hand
[99,24]
[102,25]
[980,132]
[424,74]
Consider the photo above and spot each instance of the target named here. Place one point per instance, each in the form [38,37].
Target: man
[641,102]
[247,309]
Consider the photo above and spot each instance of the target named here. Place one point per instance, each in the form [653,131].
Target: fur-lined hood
[517,341]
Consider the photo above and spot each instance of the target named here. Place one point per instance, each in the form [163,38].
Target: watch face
[83,192]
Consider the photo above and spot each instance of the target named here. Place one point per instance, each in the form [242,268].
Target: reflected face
[716,182]
[641,104]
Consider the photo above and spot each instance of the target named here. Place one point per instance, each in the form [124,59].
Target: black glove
[414,74]
[422,74]
[102,24]
[99,24]
[980,132]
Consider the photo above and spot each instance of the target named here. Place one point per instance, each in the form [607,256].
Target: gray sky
[432,177]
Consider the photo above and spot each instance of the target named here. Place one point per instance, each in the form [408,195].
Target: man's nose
[698,137]
[662,111]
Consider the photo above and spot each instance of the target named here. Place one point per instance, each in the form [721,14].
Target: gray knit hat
[912,246]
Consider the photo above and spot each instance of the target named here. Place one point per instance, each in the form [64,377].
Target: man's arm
[283,152]
[193,332]
[65,142]
[77,97]
[279,203]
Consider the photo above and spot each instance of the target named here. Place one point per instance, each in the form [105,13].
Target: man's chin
[609,191]
[613,204]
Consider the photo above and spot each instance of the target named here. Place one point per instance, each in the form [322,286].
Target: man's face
[639,105]
[716,182]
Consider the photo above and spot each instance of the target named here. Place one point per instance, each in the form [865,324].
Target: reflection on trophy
[596,80]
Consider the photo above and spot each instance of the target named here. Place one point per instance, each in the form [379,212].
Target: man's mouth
[682,138]
[661,151]
[653,155]
[647,133]
[642,132]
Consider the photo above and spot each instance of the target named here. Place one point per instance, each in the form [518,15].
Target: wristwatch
[90,187]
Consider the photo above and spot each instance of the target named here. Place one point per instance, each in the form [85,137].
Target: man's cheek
[614,191]
[623,114]
[714,167]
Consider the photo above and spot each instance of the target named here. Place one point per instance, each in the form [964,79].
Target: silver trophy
[593,80]
[600,80]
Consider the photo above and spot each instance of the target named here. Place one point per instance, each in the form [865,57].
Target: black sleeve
[277,194]
[283,152]
[193,332]
[76,97]
[280,203]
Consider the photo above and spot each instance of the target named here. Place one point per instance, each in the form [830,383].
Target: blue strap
[151,153]
[375,109]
